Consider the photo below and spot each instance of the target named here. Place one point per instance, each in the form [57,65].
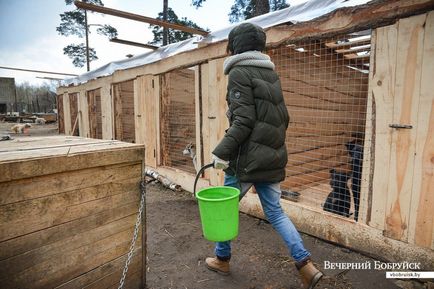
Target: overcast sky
[28,36]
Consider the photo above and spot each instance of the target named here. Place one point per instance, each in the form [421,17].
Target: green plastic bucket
[218,207]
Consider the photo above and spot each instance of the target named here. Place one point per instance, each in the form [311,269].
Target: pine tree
[74,23]
[173,35]
[245,9]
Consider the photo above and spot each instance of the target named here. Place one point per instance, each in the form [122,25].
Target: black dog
[339,199]
[356,153]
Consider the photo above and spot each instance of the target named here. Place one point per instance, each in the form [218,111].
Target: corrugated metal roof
[294,14]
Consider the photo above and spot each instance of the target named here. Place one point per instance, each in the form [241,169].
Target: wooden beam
[356,56]
[355,49]
[372,15]
[137,17]
[339,43]
[132,43]
[38,71]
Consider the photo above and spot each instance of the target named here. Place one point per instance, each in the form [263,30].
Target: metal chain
[136,233]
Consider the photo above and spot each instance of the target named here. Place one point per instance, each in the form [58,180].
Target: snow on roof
[293,14]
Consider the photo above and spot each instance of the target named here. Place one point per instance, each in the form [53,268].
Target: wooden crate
[68,206]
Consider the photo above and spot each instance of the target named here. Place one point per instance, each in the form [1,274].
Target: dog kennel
[356,85]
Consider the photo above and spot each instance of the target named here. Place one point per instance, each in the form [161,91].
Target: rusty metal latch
[399,126]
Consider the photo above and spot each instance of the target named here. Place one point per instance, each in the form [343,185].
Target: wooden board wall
[73,110]
[70,226]
[95,113]
[402,184]
[123,110]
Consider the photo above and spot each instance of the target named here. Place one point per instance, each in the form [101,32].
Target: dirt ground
[176,253]
[176,249]
[35,130]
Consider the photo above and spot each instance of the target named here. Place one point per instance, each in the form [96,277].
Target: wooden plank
[27,189]
[421,223]
[216,111]
[67,114]
[198,116]
[139,111]
[405,111]
[157,99]
[361,41]
[383,94]
[150,122]
[61,208]
[83,114]
[354,56]
[368,146]
[360,48]
[106,111]
[205,116]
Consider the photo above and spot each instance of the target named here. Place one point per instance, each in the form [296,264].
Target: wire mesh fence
[95,113]
[60,114]
[325,86]
[73,110]
[178,130]
[123,107]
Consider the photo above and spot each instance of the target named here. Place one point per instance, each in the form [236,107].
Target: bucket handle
[202,169]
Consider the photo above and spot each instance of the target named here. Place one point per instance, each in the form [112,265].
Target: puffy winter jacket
[255,141]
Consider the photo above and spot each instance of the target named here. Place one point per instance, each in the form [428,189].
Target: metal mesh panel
[73,108]
[95,114]
[123,106]
[325,86]
[60,114]
[178,129]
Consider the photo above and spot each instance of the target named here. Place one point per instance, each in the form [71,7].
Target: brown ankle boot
[309,274]
[217,265]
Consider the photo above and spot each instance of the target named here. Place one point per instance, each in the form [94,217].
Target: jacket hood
[246,37]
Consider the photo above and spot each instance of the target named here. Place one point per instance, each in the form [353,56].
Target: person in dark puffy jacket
[253,150]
